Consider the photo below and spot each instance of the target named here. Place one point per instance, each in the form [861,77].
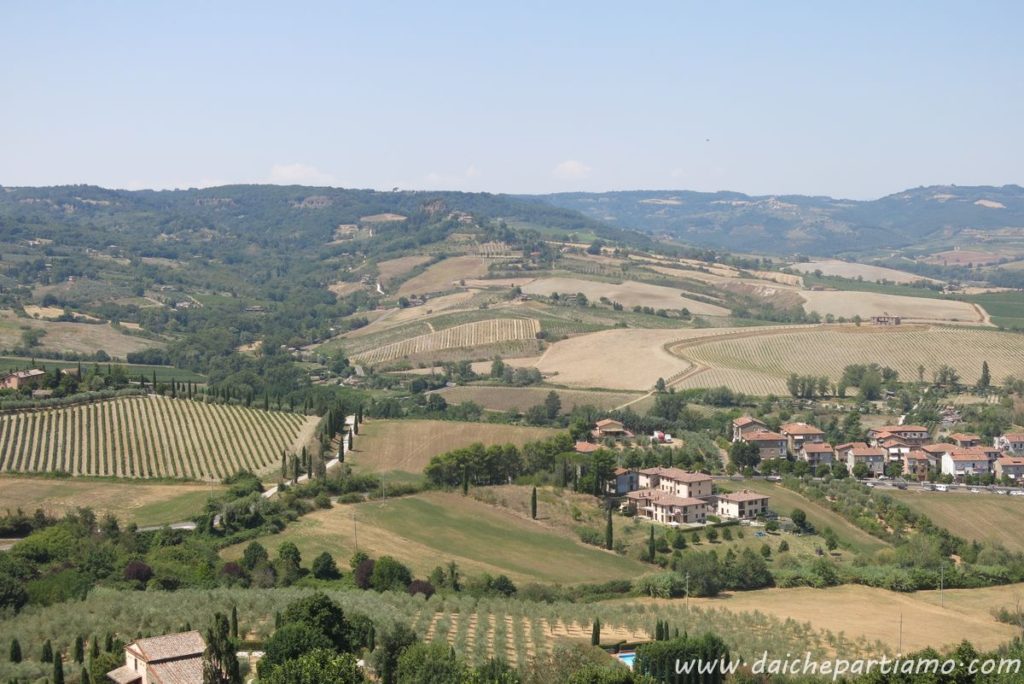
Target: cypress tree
[533,504]
[15,651]
[47,655]
[154,380]
[465,480]
[94,649]
[84,677]
[234,622]
[108,642]
[595,633]
[79,650]
[608,531]
[58,669]
[650,546]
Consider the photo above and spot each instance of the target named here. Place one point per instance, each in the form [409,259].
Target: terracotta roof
[936,449]
[817,448]
[586,447]
[186,671]
[1010,461]
[965,437]
[642,494]
[168,646]
[30,373]
[764,436]
[621,471]
[745,495]
[669,500]
[978,451]
[607,421]
[1014,436]
[918,456]
[893,442]
[852,445]
[126,675]
[867,452]
[800,429]
[680,475]
[964,455]
[746,420]
[895,429]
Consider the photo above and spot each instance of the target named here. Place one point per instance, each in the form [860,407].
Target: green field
[430,529]
[983,517]
[851,285]
[1005,308]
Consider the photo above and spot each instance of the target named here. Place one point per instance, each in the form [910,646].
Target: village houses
[798,434]
[745,505]
[913,435]
[1011,441]
[1010,468]
[817,453]
[854,453]
[960,463]
[25,378]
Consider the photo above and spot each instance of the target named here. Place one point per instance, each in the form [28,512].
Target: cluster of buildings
[678,497]
[32,377]
[911,446]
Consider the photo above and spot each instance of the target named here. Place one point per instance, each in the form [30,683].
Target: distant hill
[784,224]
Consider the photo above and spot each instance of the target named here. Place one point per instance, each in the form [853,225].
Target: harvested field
[846,269]
[382,218]
[857,612]
[430,529]
[408,445]
[140,437]
[84,338]
[522,398]
[826,350]
[467,335]
[962,257]
[867,304]
[141,503]
[629,293]
[971,516]
[445,275]
[396,268]
[342,288]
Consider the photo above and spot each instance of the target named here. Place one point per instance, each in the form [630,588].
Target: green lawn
[430,529]
[852,285]
[984,517]
[1006,308]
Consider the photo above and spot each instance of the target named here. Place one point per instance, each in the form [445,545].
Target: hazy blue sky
[855,99]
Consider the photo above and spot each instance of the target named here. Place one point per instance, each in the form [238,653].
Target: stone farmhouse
[168,659]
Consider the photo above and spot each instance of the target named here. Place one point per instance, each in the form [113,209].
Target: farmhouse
[798,434]
[817,453]
[918,465]
[1011,441]
[961,463]
[886,319]
[770,444]
[743,505]
[586,447]
[911,434]
[962,439]
[745,424]
[675,481]
[859,452]
[1010,468]
[26,378]
[170,659]
[676,509]
[610,428]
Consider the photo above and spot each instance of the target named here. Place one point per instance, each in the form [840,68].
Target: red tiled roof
[965,437]
[1014,436]
[895,429]
[818,448]
[180,645]
[746,420]
[669,500]
[1010,461]
[867,452]
[764,436]
[800,429]
[185,671]
[607,421]
[745,495]
[680,475]
[586,447]
[936,449]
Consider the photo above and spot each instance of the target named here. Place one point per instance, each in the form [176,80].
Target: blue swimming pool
[626,658]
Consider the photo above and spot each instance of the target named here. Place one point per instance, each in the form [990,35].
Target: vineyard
[143,437]
[460,336]
[746,363]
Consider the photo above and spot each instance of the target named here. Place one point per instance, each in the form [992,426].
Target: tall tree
[595,633]
[234,622]
[15,652]
[608,531]
[650,546]
[986,378]
[533,504]
[58,669]
[79,650]
[47,655]
[220,664]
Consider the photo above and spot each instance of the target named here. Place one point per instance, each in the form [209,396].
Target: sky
[848,99]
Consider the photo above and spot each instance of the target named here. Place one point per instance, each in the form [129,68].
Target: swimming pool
[626,658]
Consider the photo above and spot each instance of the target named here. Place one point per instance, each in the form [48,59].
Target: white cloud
[571,169]
[300,174]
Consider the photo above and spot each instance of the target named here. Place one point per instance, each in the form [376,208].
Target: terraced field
[142,437]
[460,336]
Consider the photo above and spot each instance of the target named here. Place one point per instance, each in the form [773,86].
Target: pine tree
[533,504]
[595,633]
[79,650]
[47,655]
[58,669]
[15,652]
[608,531]
[234,622]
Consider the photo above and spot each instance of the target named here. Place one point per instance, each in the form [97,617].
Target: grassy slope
[144,504]
[783,501]
[406,446]
[984,517]
[1005,308]
[430,529]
